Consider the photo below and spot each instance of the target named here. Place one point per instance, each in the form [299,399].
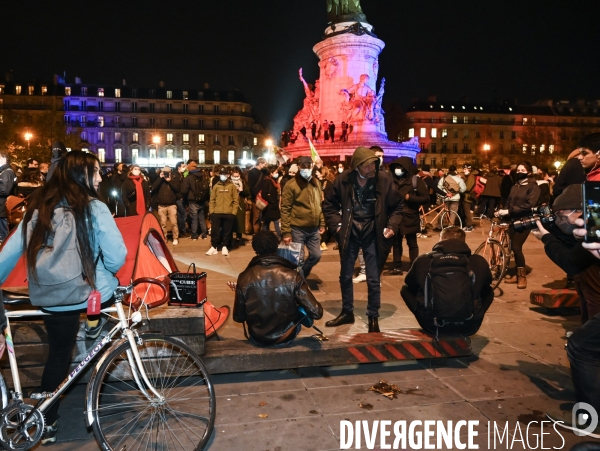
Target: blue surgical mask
[399,172]
[306,173]
[223,178]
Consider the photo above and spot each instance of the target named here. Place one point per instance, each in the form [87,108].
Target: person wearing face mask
[383,170]
[524,196]
[224,204]
[302,219]
[116,204]
[414,193]
[271,191]
[291,173]
[244,195]
[135,192]
[365,211]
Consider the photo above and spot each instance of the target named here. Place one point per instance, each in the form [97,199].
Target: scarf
[140,202]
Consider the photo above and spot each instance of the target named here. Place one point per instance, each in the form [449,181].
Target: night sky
[515,49]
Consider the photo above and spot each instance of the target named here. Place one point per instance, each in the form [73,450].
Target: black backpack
[201,189]
[449,289]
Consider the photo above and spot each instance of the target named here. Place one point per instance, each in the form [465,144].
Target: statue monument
[346,90]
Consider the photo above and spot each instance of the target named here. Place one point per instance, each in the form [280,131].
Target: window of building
[152,153]
[455,119]
[84,136]
[477,119]
[216,108]
[135,137]
[185,96]
[466,147]
[117,106]
[444,147]
[100,106]
[170,154]
[152,106]
[455,133]
[169,94]
[200,109]
[100,136]
[134,107]
[118,136]
[134,93]
[100,92]
[513,135]
[217,124]
[423,132]
[524,121]
[501,134]
[230,125]
[217,156]
[231,140]
[466,119]
[433,148]
[533,121]
[186,155]
[186,138]
[501,148]
[443,162]
[169,122]
[411,132]
[216,139]
[100,121]
[67,119]
[422,147]
[84,91]
[412,119]
[466,133]
[434,132]
[67,90]
[134,155]
[231,156]
[169,137]
[169,107]
[454,161]
[134,121]
[201,138]
[477,134]
[551,148]
[524,148]
[433,163]
[82,120]
[18,90]
[152,92]
[201,156]
[102,155]
[116,120]
[444,132]
[433,120]
[118,155]
[216,96]
[200,123]
[255,141]
[152,121]
[186,108]
[186,123]
[30,90]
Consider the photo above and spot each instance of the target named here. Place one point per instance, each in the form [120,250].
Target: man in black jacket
[255,176]
[7,181]
[365,211]
[452,241]
[268,294]
[165,188]
[195,189]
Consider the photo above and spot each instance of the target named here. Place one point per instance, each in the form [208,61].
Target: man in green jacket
[302,220]
[224,201]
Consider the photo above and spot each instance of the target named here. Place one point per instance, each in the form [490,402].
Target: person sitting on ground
[458,307]
[268,294]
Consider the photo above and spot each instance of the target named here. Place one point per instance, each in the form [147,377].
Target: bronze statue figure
[344,11]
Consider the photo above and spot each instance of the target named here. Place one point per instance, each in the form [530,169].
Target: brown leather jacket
[267,297]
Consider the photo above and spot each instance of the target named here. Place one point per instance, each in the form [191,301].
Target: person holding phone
[524,195]
[166,188]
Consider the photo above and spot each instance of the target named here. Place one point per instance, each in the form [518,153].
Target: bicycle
[147,390]
[496,249]
[447,217]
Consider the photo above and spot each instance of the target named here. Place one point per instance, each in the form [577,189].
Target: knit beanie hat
[570,199]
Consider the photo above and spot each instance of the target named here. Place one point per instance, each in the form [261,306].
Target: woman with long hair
[73,189]
[524,195]
[271,192]
[135,192]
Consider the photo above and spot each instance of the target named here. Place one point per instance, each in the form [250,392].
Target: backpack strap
[427,288]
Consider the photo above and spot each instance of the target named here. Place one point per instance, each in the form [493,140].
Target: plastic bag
[291,252]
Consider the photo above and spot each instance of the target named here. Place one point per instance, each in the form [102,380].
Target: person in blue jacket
[74,184]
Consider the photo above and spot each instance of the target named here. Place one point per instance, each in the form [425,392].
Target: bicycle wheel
[450,218]
[497,260]
[125,418]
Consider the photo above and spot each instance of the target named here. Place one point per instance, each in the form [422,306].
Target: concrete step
[553,299]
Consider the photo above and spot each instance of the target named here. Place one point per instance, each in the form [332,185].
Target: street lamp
[156,141]
[28,137]
[557,165]
[486,149]
[270,153]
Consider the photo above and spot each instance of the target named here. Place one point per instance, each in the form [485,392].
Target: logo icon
[584,418]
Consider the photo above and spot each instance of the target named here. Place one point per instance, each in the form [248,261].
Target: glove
[502,213]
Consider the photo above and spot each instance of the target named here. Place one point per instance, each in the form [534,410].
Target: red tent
[147,256]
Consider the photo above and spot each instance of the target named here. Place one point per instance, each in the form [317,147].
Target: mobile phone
[591,211]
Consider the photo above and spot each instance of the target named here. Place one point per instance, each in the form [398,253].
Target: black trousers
[517,240]
[62,331]
[413,248]
[221,225]
[583,350]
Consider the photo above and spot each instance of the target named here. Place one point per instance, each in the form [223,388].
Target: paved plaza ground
[518,369]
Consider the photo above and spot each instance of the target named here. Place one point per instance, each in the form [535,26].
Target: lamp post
[270,153]
[486,149]
[557,165]
[28,137]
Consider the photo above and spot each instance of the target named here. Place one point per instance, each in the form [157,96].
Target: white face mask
[223,178]
[380,161]
[340,170]
[235,179]
[398,172]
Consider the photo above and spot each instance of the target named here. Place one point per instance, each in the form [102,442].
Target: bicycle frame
[122,325]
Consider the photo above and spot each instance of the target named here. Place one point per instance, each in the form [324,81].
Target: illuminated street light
[557,164]
[156,139]
[269,143]
[28,137]
[486,147]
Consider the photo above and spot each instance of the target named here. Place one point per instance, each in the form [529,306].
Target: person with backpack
[7,182]
[195,188]
[414,193]
[165,190]
[73,249]
[453,185]
[449,290]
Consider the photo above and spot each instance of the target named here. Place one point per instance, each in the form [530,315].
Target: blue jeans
[197,215]
[583,350]
[3,228]
[181,216]
[311,238]
[347,272]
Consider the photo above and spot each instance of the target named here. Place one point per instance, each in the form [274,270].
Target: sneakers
[422,235]
[468,229]
[394,272]
[175,242]
[323,246]
[564,418]
[91,333]
[360,278]
[194,238]
[225,251]
[212,251]
[50,432]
